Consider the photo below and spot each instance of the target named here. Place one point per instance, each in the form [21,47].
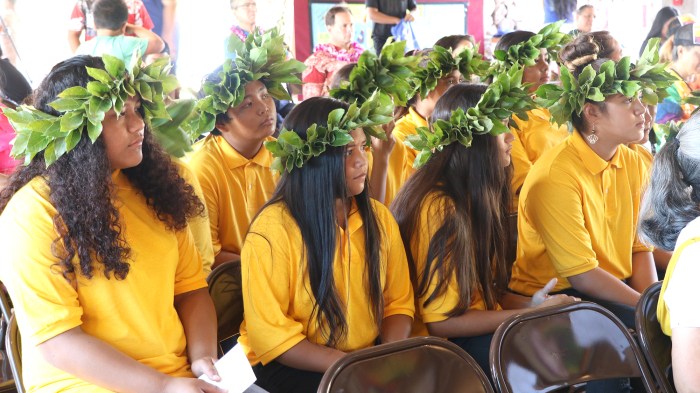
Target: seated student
[438,70]
[683,47]
[453,218]
[456,43]
[106,282]
[111,23]
[577,212]
[389,75]
[669,219]
[231,164]
[324,270]
[534,134]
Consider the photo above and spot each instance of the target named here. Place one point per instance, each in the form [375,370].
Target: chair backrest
[415,365]
[226,291]
[13,346]
[562,346]
[655,345]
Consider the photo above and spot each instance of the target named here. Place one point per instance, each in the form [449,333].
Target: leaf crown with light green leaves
[263,57]
[504,97]
[527,52]
[291,151]
[441,62]
[648,77]
[84,108]
[390,73]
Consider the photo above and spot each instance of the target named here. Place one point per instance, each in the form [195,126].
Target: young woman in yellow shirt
[577,212]
[107,285]
[534,133]
[324,271]
[453,217]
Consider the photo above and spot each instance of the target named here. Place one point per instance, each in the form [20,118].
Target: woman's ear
[591,113]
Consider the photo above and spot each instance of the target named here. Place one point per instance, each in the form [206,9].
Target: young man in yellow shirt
[231,164]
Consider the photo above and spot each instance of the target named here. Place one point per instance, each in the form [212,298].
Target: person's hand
[542,298]
[409,18]
[190,385]
[382,148]
[129,28]
[205,366]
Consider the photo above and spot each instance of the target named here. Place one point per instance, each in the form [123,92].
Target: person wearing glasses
[245,12]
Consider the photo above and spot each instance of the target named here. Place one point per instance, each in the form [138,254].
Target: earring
[593,138]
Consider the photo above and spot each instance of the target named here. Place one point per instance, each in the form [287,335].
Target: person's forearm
[602,285]
[225,257]
[96,362]
[310,357]
[662,258]
[396,327]
[198,317]
[643,271]
[471,323]
[73,40]
[377,179]
[155,43]
[379,17]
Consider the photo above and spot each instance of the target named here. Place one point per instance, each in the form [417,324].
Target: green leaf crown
[505,96]
[291,151]
[84,108]
[262,56]
[441,62]
[391,73]
[527,52]
[648,77]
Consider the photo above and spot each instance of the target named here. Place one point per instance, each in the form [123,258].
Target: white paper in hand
[234,370]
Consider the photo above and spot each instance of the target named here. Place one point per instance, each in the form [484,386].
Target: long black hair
[471,189]
[310,194]
[81,190]
[657,26]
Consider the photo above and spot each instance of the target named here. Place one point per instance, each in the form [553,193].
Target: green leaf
[67,104]
[99,75]
[94,131]
[114,66]
[72,139]
[71,121]
[75,92]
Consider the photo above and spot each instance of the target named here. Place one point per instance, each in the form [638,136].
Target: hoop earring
[593,138]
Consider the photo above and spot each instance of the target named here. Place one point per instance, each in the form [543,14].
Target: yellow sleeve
[45,303]
[398,291]
[207,178]
[521,166]
[189,275]
[554,210]
[199,226]
[644,168]
[266,275]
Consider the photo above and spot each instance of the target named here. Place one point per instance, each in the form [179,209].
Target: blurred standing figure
[162,14]
[583,18]
[82,19]
[330,57]
[245,12]
[659,28]
[386,14]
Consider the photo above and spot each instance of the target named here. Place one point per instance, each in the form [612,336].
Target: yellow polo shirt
[644,154]
[577,212]
[234,188]
[276,294]
[199,225]
[136,315]
[535,136]
[404,127]
[431,218]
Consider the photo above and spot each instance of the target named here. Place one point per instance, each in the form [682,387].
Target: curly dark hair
[88,223]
